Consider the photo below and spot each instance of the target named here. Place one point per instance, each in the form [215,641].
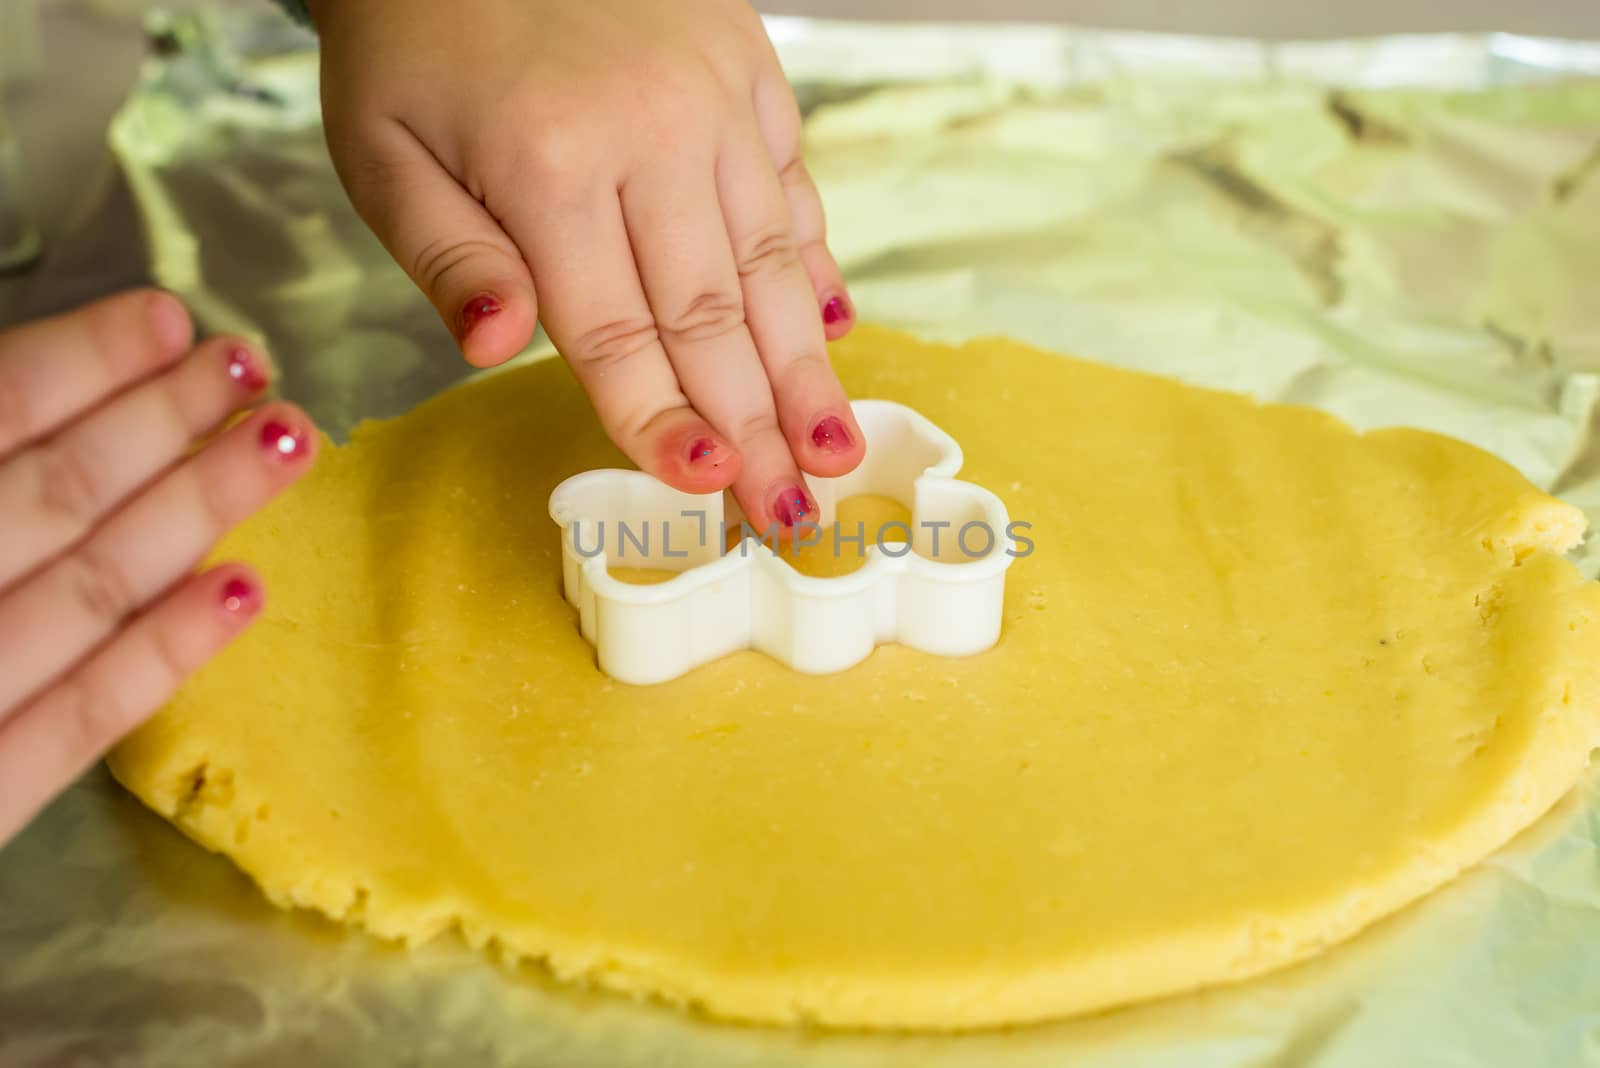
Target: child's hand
[634,163]
[107,507]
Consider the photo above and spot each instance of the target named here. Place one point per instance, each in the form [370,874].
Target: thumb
[448,243]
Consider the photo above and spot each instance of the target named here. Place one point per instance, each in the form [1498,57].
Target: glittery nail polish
[281,440]
[707,451]
[792,506]
[240,597]
[831,435]
[476,310]
[244,367]
[836,310]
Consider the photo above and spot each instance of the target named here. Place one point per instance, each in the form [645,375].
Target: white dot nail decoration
[946,603]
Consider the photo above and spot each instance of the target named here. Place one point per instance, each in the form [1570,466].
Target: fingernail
[240,597]
[476,310]
[791,506]
[831,435]
[707,451]
[837,310]
[245,369]
[282,440]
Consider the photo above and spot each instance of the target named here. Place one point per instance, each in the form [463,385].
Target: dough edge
[926,1002]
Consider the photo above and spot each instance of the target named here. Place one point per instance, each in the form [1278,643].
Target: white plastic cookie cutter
[936,584]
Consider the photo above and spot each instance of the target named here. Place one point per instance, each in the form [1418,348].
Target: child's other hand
[629,171]
[117,477]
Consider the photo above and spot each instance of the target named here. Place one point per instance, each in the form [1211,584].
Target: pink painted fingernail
[240,597]
[706,451]
[282,440]
[837,310]
[791,506]
[484,306]
[245,369]
[831,435]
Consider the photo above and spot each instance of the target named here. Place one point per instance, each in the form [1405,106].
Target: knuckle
[782,128]
[66,487]
[710,315]
[768,252]
[101,588]
[561,151]
[792,171]
[803,368]
[209,514]
[176,417]
[167,656]
[800,192]
[603,348]
[633,423]
[84,719]
[443,261]
[755,426]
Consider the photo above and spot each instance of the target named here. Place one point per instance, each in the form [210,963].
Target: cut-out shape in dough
[935,584]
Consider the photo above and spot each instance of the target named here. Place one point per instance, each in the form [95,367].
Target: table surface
[93,48]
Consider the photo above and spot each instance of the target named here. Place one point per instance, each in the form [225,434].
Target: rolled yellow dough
[1262,681]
